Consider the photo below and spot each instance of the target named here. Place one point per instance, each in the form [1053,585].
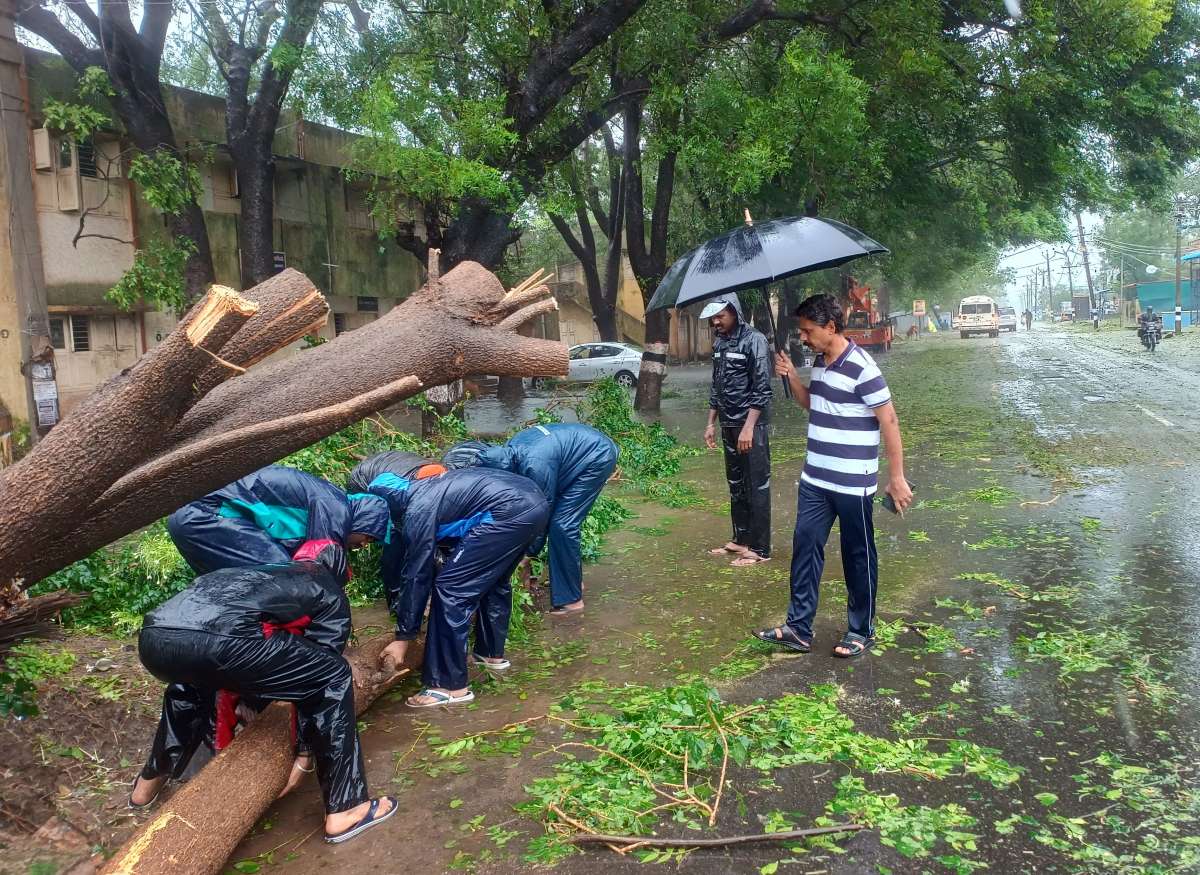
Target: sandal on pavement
[494,666]
[369,820]
[856,644]
[784,636]
[749,558]
[564,611]
[143,806]
[439,698]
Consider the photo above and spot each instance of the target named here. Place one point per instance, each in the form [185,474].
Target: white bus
[978,314]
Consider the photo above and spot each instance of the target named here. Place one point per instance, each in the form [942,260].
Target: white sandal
[439,699]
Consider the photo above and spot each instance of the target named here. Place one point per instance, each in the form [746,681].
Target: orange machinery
[865,325]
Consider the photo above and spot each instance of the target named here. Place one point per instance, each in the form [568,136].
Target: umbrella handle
[787,387]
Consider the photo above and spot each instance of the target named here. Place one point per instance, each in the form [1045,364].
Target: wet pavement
[1039,601]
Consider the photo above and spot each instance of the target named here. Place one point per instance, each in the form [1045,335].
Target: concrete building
[323,227]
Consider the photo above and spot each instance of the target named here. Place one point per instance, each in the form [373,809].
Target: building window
[339,323]
[58,334]
[81,334]
[368,305]
[85,151]
[65,160]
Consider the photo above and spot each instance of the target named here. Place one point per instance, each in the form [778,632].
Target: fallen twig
[712,816]
[1041,503]
[789,835]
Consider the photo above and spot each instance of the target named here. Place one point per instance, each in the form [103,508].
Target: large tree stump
[196,829]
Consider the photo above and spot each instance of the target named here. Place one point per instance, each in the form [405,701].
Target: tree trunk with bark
[169,430]
[199,826]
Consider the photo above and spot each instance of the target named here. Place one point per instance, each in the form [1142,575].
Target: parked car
[595,361]
[1008,319]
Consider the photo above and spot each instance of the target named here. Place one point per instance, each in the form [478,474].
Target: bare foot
[340,821]
[569,609]
[749,558]
[729,547]
[433,696]
[145,789]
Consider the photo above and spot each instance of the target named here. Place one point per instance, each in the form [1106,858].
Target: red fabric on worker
[310,551]
[433,470]
[227,701]
[226,718]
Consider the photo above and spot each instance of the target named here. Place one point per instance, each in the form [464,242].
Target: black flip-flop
[786,638]
[856,644]
[369,820]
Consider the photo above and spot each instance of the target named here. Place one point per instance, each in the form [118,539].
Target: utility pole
[1049,284]
[1087,268]
[1178,267]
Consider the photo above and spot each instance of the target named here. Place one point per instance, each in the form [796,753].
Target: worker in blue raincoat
[487,519]
[570,464]
[269,516]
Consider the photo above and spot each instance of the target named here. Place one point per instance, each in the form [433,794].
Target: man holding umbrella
[741,400]
[849,407]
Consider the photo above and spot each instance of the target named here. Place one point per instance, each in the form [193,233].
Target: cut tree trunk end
[196,829]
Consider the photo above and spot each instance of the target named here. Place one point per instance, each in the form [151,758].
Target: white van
[978,315]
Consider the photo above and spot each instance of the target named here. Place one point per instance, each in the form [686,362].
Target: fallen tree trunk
[128,420]
[197,828]
[463,322]
[108,434]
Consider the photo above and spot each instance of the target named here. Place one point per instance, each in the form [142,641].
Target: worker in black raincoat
[570,463]
[410,466]
[488,519]
[275,632]
[740,400]
[267,516]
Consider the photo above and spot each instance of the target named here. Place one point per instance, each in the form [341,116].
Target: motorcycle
[1150,332]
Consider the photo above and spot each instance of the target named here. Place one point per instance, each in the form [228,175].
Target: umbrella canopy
[754,255]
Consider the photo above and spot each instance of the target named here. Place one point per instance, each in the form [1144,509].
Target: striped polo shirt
[843,433]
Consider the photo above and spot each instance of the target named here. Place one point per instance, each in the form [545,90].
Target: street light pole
[1178,268]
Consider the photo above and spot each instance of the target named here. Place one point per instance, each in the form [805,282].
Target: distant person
[268,516]
[570,464]
[488,520]
[1028,317]
[849,406]
[740,400]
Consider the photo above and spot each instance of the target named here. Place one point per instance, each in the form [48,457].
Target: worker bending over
[268,516]
[570,465]
[274,632]
[487,519]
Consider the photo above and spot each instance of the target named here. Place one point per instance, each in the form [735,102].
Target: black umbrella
[754,255]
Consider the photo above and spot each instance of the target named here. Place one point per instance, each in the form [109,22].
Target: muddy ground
[1036,605]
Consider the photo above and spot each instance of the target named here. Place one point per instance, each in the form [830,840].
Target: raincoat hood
[464,454]
[719,303]
[371,515]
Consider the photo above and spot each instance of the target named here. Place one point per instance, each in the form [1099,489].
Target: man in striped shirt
[850,406]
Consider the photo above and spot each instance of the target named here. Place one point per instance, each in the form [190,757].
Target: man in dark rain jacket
[570,465]
[275,632]
[488,518]
[741,400]
[267,516]
[403,464]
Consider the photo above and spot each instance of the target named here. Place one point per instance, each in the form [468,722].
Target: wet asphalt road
[1089,522]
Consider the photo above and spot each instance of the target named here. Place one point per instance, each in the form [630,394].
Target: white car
[1008,319]
[595,361]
